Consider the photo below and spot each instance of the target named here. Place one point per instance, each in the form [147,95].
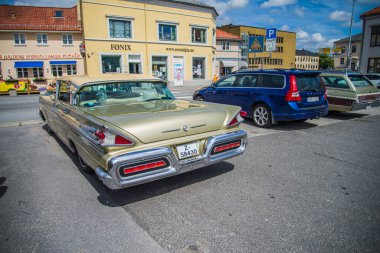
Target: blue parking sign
[271,33]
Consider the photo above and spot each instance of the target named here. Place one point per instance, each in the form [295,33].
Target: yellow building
[282,58]
[169,39]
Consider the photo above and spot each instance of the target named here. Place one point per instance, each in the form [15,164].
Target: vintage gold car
[132,130]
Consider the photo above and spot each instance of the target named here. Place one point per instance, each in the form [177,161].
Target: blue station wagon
[269,96]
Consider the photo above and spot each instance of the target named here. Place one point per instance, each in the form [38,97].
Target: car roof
[279,71]
[85,80]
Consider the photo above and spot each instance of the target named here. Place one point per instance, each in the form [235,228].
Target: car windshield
[359,81]
[122,92]
[309,83]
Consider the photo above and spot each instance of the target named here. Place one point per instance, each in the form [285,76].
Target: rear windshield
[359,81]
[309,83]
[373,77]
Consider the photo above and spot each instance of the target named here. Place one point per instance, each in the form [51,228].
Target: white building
[370,51]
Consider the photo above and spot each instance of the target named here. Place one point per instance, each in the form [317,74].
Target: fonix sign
[120,47]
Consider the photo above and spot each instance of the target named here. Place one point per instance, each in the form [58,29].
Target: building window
[120,28]
[373,65]
[375,36]
[67,39]
[167,32]
[57,70]
[111,63]
[160,66]
[22,72]
[41,39]
[71,69]
[19,38]
[38,72]
[226,46]
[58,14]
[134,62]
[341,60]
[198,35]
[353,49]
[343,50]
[199,68]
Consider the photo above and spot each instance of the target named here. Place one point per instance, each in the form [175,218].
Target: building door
[178,67]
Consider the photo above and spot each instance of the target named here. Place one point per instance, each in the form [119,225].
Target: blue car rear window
[309,83]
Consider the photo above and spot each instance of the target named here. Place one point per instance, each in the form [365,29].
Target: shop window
[134,62]
[41,39]
[19,38]
[120,28]
[225,70]
[226,46]
[199,68]
[67,39]
[167,32]
[22,72]
[111,64]
[375,36]
[38,72]
[57,70]
[71,69]
[159,66]
[198,35]
[373,65]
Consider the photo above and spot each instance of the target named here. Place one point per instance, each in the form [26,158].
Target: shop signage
[178,71]
[38,56]
[121,47]
[185,50]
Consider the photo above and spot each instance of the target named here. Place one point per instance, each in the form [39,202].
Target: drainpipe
[146,40]
[349,43]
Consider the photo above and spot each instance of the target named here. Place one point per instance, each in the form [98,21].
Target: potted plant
[39,80]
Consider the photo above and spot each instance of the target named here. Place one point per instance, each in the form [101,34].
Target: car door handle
[65,111]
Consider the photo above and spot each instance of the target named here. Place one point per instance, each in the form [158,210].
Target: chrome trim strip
[113,180]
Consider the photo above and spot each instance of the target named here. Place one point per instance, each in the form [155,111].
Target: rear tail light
[243,113]
[106,138]
[236,120]
[324,88]
[144,167]
[226,147]
[293,95]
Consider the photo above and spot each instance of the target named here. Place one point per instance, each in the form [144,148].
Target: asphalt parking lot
[299,187]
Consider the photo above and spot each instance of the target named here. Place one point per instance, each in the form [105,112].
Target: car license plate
[312,99]
[188,150]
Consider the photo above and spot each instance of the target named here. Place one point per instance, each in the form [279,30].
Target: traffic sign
[271,33]
[256,44]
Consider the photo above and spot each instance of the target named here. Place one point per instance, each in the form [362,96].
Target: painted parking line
[20,123]
[185,97]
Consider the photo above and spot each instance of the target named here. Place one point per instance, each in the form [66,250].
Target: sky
[317,22]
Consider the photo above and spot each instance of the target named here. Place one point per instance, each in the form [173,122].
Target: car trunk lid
[161,120]
[310,88]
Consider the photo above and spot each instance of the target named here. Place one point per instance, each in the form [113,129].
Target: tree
[326,62]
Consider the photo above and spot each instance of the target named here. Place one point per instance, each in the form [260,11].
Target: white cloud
[52,3]
[285,28]
[302,35]
[223,6]
[277,3]
[317,37]
[340,15]
[223,20]
[299,11]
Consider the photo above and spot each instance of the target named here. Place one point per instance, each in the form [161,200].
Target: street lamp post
[349,43]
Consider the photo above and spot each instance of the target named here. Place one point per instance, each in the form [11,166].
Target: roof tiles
[38,18]
[222,35]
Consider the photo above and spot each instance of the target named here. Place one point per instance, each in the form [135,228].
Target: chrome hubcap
[261,116]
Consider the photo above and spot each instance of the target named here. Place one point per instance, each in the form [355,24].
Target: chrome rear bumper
[365,105]
[113,180]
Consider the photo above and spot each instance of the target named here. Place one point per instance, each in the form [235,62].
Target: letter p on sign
[271,33]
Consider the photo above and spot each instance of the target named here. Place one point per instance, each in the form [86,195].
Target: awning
[29,64]
[63,62]
[229,63]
